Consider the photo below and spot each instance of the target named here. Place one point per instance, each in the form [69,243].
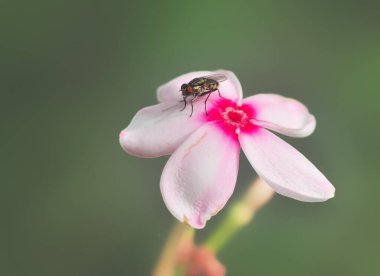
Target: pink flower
[201,173]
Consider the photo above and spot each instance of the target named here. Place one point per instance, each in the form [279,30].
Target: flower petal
[283,115]
[230,88]
[285,169]
[200,176]
[159,129]
[308,128]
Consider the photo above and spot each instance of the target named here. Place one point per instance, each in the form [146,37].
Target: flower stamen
[232,117]
[235,117]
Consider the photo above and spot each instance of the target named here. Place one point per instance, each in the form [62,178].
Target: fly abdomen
[213,86]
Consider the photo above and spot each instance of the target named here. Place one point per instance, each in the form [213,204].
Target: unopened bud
[204,262]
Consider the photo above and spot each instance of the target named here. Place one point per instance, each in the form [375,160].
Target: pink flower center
[231,117]
[235,117]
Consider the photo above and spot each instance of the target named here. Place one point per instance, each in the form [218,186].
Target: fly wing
[217,77]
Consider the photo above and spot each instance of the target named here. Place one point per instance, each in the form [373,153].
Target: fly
[199,87]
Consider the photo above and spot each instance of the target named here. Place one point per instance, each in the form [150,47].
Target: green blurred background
[72,75]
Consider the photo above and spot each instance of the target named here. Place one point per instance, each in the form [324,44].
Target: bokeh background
[73,74]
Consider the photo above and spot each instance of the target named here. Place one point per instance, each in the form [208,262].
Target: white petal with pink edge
[200,176]
[230,88]
[285,169]
[284,115]
[159,129]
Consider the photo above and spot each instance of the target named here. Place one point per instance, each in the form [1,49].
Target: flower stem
[225,231]
[240,214]
[167,263]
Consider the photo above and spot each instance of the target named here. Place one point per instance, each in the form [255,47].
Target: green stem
[229,226]
[240,214]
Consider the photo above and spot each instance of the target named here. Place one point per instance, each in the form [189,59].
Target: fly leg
[220,94]
[191,102]
[184,100]
[209,93]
